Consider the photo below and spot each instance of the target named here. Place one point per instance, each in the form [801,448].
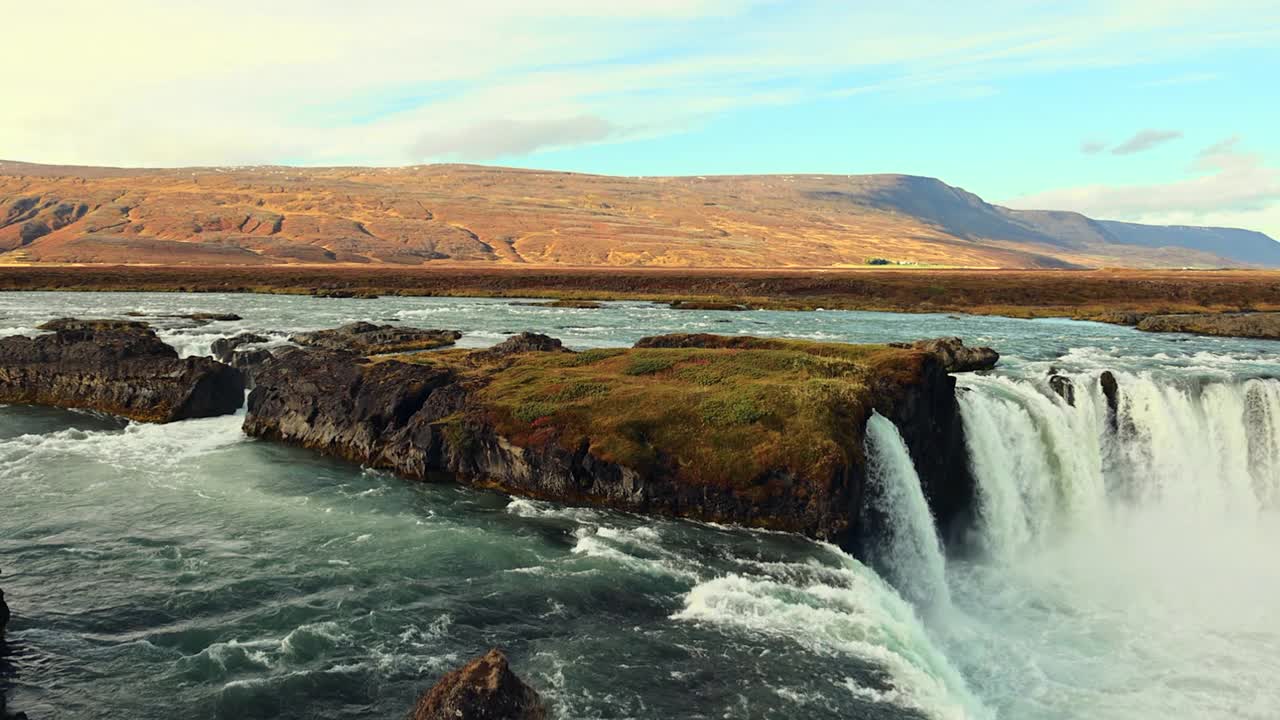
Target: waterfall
[1043,465]
[907,550]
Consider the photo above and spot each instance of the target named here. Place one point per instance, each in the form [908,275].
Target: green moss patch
[727,416]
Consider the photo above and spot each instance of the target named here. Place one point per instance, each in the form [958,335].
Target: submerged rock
[1062,385]
[954,355]
[116,367]
[1259,325]
[224,348]
[751,431]
[571,304]
[1111,391]
[365,338]
[707,305]
[483,689]
[4,615]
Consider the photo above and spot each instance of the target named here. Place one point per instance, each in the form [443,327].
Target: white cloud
[1145,140]
[512,136]
[1228,186]
[139,82]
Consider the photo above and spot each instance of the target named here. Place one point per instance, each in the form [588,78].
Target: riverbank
[1116,296]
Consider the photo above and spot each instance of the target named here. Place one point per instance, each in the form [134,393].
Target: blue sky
[1129,109]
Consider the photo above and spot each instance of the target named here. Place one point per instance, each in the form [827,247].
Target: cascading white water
[1043,465]
[907,551]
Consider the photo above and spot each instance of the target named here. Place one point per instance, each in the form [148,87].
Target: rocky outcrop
[117,367]
[368,339]
[483,689]
[522,343]
[954,355]
[520,421]
[249,362]
[1259,325]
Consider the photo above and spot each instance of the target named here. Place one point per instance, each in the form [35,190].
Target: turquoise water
[188,571]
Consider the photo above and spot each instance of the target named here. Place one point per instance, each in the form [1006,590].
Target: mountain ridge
[412,215]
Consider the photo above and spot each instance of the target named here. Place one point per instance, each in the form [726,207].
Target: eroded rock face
[365,338]
[483,689]
[954,355]
[420,420]
[116,367]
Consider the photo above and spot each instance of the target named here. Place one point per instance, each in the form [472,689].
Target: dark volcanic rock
[205,317]
[1061,384]
[4,615]
[116,367]
[1260,325]
[421,420]
[483,689]
[1111,391]
[368,339]
[224,348]
[954,355]
[76,324]
[526,342]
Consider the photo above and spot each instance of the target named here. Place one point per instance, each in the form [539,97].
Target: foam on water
[859,617]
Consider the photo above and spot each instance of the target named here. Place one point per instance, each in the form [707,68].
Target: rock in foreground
[483,689]
[115,367]
[1260,325]
[365,338]
[756,432]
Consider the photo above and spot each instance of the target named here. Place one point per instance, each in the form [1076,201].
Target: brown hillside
[499,216]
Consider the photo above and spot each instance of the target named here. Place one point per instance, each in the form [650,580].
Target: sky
[1151,111]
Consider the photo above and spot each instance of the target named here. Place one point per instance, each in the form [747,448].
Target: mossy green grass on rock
[727,416]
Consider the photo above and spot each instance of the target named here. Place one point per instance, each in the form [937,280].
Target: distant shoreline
[1118,296]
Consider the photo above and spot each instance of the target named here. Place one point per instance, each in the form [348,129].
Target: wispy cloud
[1226,185]
[1092,147]
[1145,140]
[509,136]
[546,74]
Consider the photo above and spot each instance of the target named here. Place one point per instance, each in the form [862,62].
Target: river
[1129,572]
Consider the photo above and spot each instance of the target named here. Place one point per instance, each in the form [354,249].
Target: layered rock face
[764,433]
[483,689]
[115,367]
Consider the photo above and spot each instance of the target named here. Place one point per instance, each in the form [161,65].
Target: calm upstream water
[188,571]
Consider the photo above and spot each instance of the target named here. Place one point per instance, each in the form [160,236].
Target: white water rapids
[1124,565]
[185,570]
[1044,467]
